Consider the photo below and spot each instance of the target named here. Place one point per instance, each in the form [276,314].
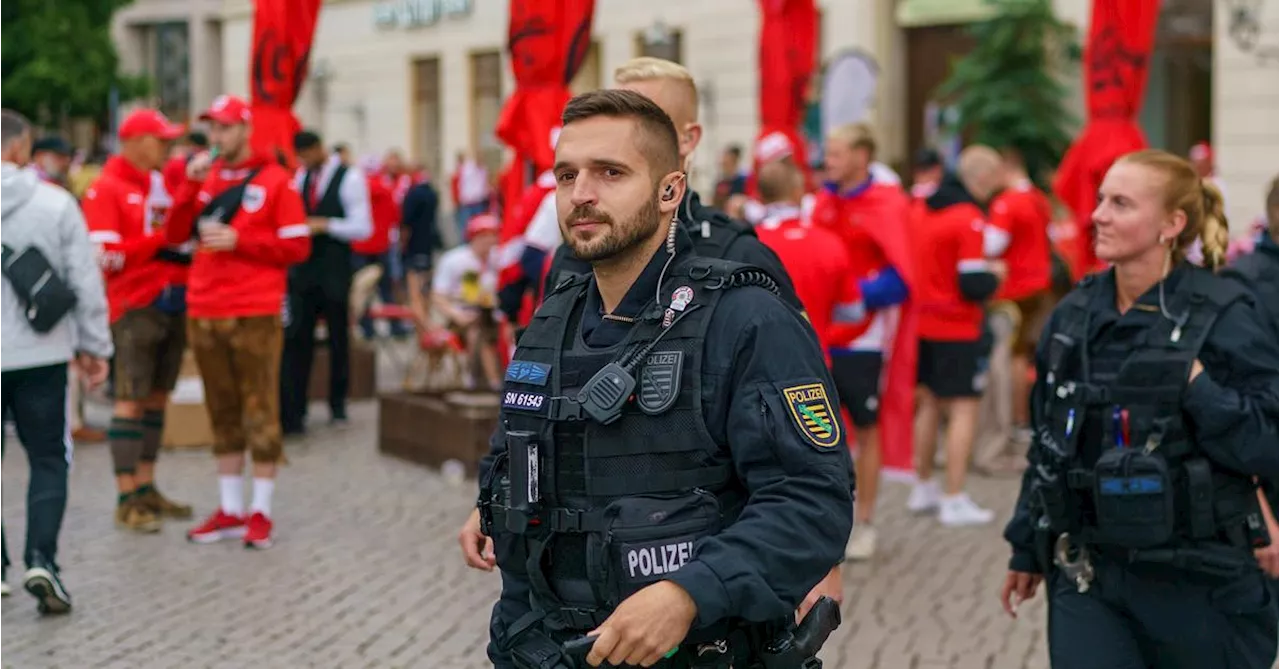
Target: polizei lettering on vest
[663,358]
[646,561]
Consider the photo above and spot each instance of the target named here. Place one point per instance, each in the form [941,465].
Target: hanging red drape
[547,41]
[1116,59]
[788,39]
[282,34]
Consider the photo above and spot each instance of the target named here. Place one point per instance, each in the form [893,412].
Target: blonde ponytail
[1213,230]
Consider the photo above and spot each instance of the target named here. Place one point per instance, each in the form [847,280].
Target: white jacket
[38,214]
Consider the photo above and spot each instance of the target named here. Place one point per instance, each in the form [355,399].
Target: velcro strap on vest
[1200,499]
[622,486]
[1080,479]
[575,520]
[1093,395]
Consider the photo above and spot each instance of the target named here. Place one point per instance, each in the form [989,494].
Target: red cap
[227,110]
[773,146]
[149,122]
[481,223]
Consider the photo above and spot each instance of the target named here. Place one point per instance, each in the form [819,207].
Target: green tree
[57,60]
[1010,90]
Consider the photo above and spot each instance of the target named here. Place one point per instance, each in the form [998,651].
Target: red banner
[547,41]
[282,35]
[1116,60]
[788,40]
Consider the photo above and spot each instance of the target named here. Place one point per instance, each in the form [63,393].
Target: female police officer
[1155,411]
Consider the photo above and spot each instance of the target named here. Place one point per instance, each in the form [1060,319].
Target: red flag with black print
[282,35]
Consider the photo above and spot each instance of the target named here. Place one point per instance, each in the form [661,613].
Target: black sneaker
[41,580]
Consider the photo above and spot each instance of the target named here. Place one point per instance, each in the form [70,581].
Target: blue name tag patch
[519,401]
[525,371]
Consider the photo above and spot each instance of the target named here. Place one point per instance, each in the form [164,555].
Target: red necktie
[315,183]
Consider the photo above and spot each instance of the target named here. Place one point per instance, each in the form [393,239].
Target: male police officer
[713,233]
[670,474]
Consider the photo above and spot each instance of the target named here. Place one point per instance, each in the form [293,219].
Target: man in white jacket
[33,365]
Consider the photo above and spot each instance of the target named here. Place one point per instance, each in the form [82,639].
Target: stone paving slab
[366,573]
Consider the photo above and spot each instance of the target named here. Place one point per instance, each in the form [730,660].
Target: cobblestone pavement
[366,573]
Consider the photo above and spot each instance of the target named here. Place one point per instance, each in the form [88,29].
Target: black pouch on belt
[1133,499]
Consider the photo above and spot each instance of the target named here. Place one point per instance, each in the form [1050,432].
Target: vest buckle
[581,618]
[565,409]
[566,520]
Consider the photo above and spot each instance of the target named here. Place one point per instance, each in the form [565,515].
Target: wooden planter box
[363,378]
[432,429]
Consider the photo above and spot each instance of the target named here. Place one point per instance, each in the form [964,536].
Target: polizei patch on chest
[812,414]
[523,401]
[660,381]
[652,561]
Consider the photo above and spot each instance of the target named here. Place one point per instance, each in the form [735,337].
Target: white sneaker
[924,497]
[4,589]
[959,511]
[862,543]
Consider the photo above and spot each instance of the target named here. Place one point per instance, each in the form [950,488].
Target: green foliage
[1008,91]
[57,59]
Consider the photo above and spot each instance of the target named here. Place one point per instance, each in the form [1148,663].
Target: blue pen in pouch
[1071,422]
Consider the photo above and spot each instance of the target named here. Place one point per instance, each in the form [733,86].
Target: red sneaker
[218,526]
[258,531]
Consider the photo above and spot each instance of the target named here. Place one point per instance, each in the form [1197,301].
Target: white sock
[262,489]
[232,488]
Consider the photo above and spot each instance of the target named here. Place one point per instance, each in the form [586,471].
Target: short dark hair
[197,138]
[306,139]
[735,150]
[926,158]
[340,147]
[12,126]
[660,145]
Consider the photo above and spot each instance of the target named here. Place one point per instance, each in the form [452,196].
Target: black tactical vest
[593,511]
[330,259]
[1118,466]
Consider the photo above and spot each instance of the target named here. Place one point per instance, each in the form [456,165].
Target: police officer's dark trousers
[1133,618]
[314,295]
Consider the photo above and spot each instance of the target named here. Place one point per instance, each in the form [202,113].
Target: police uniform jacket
[759,365]
[714,235]
[1229,411]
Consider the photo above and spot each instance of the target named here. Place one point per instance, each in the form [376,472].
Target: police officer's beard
[617,238]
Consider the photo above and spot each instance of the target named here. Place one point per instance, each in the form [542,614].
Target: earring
[1163,240]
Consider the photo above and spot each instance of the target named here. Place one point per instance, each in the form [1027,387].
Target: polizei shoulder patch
[812,414]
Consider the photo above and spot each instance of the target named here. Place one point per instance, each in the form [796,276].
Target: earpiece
[669,194]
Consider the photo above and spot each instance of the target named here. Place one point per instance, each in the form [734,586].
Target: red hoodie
[873,223]
[124,209]
[816,261]
[248,280]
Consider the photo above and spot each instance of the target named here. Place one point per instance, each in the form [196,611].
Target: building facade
[428,77]
[178,45]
